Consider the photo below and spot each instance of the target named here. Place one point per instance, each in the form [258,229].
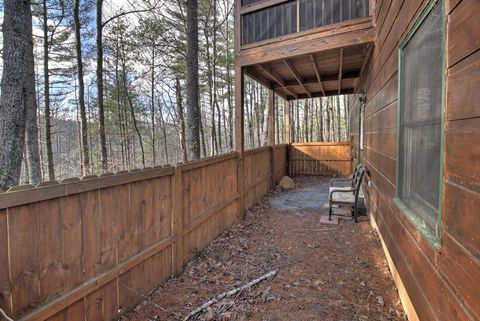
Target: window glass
[421,70]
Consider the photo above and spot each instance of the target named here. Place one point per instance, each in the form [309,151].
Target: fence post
[177,222]
[240,137]
[271,135]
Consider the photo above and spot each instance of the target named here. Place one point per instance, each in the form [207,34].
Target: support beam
[340,71]
[345,91]
[287,121]
[326,81]
[295,74]
[271,135]
[239,136]
[317,72]
[276,78]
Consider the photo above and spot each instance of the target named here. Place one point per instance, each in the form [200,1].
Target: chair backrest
[356,174]
[358,183]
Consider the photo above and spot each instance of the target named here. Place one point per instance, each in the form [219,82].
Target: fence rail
[91,249]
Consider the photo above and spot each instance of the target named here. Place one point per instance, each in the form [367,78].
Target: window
[419,161]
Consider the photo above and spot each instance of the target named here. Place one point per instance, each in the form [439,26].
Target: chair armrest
[342,191]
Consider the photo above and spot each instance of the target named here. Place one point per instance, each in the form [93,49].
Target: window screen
[281,19]
[269,22]
[421,70]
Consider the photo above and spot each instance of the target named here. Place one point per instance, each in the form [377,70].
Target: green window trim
[434,240]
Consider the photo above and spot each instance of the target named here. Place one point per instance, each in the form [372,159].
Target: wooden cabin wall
[442,284]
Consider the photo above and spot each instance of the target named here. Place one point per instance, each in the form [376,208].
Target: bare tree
[46,80]
[33,155]
[81,91]
[193,108]
[181,120]
[16,29]
[100,85]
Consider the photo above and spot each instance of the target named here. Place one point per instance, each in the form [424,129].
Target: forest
[96,86]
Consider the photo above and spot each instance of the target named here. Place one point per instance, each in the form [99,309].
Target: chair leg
[330,211]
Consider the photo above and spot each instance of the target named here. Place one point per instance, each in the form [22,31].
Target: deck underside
[322,63]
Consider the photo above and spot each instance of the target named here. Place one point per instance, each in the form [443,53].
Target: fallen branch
[5,315]
[229,293]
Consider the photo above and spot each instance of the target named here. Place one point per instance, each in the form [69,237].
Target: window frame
[434,240]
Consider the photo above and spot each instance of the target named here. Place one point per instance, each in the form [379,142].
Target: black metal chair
[348,197]
[351,179]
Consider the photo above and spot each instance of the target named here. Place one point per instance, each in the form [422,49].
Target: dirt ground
[325,272]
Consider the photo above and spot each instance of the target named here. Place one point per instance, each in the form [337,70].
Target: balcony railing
[298,15]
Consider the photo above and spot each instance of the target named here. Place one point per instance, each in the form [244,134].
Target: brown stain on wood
[441,284]
[94,253]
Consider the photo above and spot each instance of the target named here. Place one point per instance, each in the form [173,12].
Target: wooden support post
[177,222]
[271,134]
[237,30]
[239,136]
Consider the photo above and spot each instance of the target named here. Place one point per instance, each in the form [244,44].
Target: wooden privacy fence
[320,159]
[91,249]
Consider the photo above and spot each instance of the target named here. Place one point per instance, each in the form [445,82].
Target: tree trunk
[46,85]
[229,99]
[132,112]
[33,154]
[81,91]
[100,86]
[321,120]
[297,122]
[305,120]
[265,126]
[152,102]
[193,108]
[181,121]
[339,120]
[17,21]
[346,103]
[329,129]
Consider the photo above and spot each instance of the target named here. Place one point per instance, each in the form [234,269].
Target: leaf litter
[324,273]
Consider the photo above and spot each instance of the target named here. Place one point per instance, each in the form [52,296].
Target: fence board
[257,174]
[280,167]
[5,290]
[101,304]
[72,239]
[210,193]
[23,229]
[87,249]
[320,159]
[50,254]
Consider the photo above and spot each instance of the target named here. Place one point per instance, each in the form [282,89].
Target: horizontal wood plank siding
[443,284]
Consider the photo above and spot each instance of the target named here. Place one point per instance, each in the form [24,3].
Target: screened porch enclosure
[289,17]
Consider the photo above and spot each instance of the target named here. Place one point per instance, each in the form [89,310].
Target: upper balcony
[304,48]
